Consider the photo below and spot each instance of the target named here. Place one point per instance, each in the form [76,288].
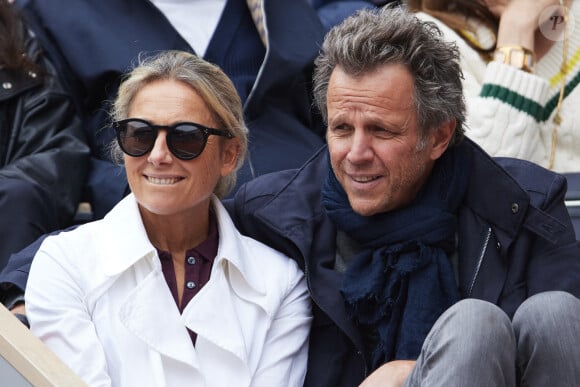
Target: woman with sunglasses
[164,291]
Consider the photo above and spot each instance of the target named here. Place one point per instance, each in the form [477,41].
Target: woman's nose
[160,154]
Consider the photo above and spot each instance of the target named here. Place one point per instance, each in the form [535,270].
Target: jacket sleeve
[14,276]
[554,266]
[58,314]
[546,255]
[505,115]
[47,146]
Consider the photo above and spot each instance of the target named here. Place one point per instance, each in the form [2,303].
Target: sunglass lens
[187,141]
[137,138]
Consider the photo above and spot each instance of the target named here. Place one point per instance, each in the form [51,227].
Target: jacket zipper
[479,262]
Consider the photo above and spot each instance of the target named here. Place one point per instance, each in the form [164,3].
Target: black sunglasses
[186,140]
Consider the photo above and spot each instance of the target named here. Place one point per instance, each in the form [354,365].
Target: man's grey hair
[209,81]
[375,37]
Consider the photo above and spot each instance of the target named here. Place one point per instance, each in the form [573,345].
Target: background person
[521,70]
[517,59]
[166,291]
[43,155]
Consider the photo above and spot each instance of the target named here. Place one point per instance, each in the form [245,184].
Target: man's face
[374,141]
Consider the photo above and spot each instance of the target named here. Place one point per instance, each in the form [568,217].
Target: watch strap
[519,57]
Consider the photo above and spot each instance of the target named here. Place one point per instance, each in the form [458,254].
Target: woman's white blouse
[97,297]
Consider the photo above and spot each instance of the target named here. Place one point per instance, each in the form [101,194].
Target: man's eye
[340,128]
[383,132]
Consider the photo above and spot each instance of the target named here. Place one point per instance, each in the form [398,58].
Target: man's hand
[391,374]
[19,309]
[19,312]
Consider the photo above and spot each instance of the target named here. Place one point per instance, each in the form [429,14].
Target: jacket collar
[513,210]
[306,199]
[482,193]
[286,53]
[129,243]
[128,247]
[13,83]
[127,238]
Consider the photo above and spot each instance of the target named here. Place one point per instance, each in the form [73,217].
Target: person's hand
[391,374]
[519,23]
[19,309]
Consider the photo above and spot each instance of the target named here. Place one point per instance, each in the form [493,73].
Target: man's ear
[441,137]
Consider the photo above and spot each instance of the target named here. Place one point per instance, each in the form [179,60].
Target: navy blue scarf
[402,279]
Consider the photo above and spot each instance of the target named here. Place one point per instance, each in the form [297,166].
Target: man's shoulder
[268,185]
[532,177]
[299,179]
[513,175]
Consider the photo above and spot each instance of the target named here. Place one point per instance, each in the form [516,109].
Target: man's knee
[547,328]
[480,323]
[480,315]
[546,314]
[472,341]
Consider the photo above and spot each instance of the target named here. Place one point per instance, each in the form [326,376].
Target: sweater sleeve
[504,117]
[505,106]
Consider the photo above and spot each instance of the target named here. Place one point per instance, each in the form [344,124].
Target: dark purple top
[198,263]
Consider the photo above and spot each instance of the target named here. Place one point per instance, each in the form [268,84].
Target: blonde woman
[164,291]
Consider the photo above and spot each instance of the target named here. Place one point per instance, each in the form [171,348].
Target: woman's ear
[230,153]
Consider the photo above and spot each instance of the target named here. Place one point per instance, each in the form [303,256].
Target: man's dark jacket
[515,239]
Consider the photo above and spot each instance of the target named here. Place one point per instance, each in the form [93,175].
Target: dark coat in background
[43,155]
[95,42]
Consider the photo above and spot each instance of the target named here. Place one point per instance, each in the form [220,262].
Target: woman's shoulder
[73,247]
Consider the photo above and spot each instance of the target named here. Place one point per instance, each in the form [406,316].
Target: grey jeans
[474,343]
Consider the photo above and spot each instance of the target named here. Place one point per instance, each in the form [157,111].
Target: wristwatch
[516,56]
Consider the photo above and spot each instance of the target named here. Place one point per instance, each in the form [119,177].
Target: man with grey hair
[428,262]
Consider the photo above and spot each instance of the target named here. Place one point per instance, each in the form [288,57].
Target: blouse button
[191,260]
[190,285]
[7,85]
[515,208]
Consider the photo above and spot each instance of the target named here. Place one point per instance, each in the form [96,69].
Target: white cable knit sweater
[510,111]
